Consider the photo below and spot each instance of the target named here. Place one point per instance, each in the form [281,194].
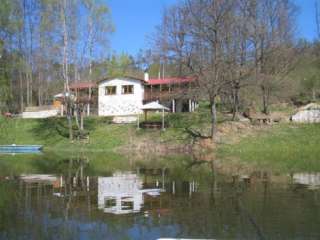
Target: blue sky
[135,20]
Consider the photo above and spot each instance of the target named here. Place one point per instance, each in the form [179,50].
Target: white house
[123,193]
[120,96]
[120,194]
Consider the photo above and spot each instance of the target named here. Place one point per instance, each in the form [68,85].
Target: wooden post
[162,119]
[173,187]
[88,184]
[173,105]
[145,115]
[138,122]
[163,172]
[62,104]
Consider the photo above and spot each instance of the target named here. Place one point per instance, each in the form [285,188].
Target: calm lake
[106,196]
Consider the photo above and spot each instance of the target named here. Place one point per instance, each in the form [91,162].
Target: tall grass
[287,147]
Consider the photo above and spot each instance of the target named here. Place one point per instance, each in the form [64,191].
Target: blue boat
[20,148]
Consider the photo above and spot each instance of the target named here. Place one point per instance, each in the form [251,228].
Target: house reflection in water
[44,179]
[312,180]
[122,193]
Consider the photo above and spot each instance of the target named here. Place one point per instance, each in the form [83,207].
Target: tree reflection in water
[158,199]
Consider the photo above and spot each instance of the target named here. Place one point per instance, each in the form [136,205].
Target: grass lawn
[104,136]
[53,133]
[285,147]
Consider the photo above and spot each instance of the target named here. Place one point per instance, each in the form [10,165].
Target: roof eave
[120,77]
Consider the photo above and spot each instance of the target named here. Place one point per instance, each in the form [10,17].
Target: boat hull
[20,148]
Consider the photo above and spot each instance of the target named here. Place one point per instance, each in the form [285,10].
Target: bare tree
[65,65]
[226,43]
[271,34]
[195,33]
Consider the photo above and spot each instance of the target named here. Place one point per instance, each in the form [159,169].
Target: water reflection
[141,202]
[122,193]
[41,178]
[311,180]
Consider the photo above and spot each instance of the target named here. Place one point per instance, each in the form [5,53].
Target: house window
[111,90]
[110,202]
[127,89]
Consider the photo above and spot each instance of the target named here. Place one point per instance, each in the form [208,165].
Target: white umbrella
[154,106]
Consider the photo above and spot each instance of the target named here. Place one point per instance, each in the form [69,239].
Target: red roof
[82,85]
[170,80]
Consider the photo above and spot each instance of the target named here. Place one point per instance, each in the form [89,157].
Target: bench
[261,119]
[82,136]
[152,125]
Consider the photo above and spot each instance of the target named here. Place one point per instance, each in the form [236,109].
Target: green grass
[104,136]
[53,133]
[286,147]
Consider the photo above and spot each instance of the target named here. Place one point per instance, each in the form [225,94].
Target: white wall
[120,104]
[40,114]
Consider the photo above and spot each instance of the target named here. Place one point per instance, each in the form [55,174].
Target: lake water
[108,197]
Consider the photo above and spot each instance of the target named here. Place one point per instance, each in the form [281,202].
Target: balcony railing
[165,95]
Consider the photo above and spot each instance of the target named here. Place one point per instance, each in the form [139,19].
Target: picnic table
[152,124]
[261,118]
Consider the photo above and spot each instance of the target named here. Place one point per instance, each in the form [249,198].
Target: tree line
[236,49]
[241,52]
[45,44]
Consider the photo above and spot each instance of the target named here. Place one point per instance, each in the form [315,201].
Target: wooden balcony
[87,99]
[182,93]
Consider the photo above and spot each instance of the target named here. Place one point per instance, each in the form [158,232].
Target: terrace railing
[165,95]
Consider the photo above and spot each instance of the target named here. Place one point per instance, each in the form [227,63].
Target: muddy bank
[229,132]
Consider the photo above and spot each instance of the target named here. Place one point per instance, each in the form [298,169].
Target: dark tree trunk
[213,118]
[21,92]
[265,100]
[81,118]
[39,89]
[77,115]
[69,118]
[236,102]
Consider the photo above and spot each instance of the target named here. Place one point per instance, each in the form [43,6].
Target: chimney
[146,76]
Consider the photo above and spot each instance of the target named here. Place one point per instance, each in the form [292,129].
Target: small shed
[153,106]
[308,114]
[59,100]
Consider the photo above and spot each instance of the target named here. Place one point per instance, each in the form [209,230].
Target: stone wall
[307,116]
